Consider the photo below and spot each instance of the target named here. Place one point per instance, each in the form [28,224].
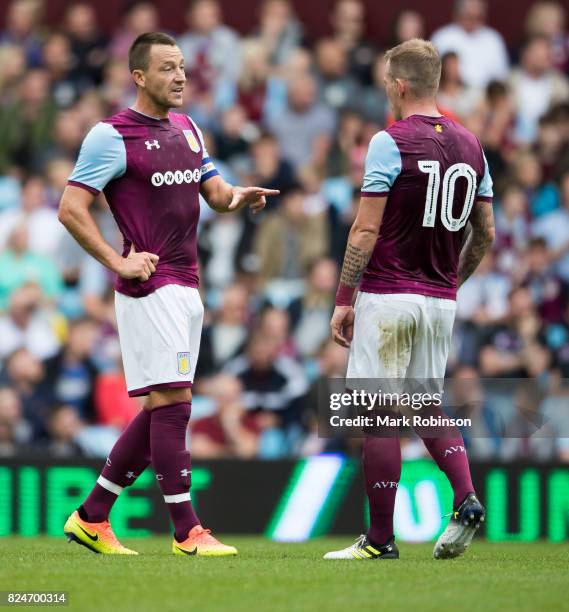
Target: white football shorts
[400,335]
[160,338]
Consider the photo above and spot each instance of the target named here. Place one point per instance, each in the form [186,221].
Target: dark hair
[139,51]
[496,89]
[538,242]
[444,70]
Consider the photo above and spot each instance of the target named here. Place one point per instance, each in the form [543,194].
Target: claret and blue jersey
[433,171]
[150,171]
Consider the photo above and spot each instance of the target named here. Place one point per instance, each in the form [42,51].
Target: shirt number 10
[456,171]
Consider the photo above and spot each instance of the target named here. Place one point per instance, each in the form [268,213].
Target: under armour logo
[159,477]
[152,144]
[130,475]
[385,484]
[185,472]
[454,449]
[108,462]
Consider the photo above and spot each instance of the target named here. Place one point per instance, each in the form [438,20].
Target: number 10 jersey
[433,172]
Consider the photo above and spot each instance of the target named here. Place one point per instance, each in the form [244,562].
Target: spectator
[373,101]
[268,166]
[553,227]
[348,148]
[338,89]
[252,84]
[113,406]
[536,85]
[551,147]
[211,49]
[454,95]
[273,385]
[547,289]
[19,265]
[407,24]
[26,123]
[28,325]
[70,375]
[15,431]
[24,373]
[275,324]
[528,434]
[305,127]
[43,228]
[549,19]
[332,363]
[348,23]
[493,122]
[232,140]
[64,428]
[543,196]
[482,302]
[58,61]
[481,49]
[226,336]
[231,432]
[310,314]
[12,69]
[279,31]
[140,16]
[483,299]
[66,139]
[88,43]
[513,349]
[117,89]
[289,239]
[23,28]
[512,230]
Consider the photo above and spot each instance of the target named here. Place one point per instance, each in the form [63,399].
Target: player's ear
[401,87]
[139,77]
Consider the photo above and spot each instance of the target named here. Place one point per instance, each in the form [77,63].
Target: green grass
[275,577]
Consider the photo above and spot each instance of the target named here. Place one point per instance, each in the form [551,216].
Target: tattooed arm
[478,241]
[355,260]
[361,243]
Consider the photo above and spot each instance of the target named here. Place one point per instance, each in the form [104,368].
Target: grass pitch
[274,577]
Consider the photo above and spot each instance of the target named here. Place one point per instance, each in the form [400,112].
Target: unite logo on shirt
[179,176]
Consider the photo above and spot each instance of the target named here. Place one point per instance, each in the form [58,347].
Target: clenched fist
[138,265]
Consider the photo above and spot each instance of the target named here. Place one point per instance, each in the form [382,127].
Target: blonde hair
[417,62]
[540,15]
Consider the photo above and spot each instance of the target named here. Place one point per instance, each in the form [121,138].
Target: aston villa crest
[192,141]
[183,363]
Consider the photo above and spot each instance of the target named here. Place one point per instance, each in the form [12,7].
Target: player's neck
[150,109]
[426,108]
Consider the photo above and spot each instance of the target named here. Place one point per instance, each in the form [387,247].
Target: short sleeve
[382,165]
[102,158]
[485,191]
[208,169]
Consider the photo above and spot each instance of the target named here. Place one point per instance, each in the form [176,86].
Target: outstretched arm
[223,197]
[478,241]
[361,242]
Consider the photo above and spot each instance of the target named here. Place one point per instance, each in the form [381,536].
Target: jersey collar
[144,117]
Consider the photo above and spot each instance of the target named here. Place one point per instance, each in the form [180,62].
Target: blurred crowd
[281,110]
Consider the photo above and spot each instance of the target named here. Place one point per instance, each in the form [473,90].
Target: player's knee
[166,397]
